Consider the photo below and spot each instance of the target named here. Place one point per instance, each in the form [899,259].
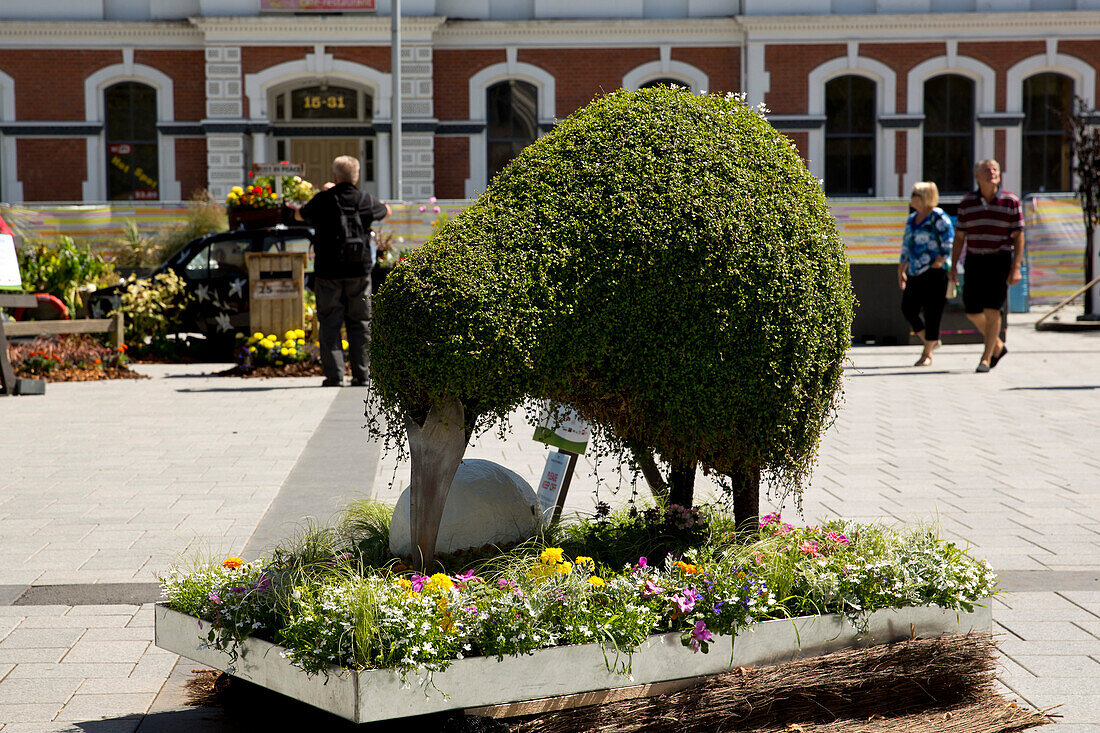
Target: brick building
[153,99]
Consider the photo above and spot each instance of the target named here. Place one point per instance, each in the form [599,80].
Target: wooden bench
[111,326]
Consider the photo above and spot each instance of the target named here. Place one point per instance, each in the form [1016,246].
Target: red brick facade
[51,125]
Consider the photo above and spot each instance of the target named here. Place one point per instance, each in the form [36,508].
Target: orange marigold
[232,562]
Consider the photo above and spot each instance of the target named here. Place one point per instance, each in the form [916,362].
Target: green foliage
[621,537]
[661,261]
[149,304]
[61,269]
[140,250]
[327,607]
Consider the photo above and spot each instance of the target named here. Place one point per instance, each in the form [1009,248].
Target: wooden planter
[254,218]
[380,694]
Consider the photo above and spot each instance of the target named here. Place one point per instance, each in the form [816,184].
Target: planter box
[480,681]
[254,218]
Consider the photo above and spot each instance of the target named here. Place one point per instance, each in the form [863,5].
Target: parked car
[213,266]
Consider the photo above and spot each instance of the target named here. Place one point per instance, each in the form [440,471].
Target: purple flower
[419,581]
[502,584]
[651,589]
[642,562]
[700,635]
[215,598]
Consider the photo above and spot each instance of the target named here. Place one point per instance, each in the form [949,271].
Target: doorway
[317,154]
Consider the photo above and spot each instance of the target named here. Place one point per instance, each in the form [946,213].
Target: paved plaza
[103,485]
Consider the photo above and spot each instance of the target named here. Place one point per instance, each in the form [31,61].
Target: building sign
[275,289]
[120,149]
[318,6]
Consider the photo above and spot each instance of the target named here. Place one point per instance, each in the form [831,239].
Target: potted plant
[252,206]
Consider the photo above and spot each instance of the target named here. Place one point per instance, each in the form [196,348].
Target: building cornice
[367,30]
[574,33]
[920,26]
[99,34]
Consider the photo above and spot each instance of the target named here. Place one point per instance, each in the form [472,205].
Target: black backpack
[352,239]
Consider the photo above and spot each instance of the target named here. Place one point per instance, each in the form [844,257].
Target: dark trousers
[927,292]
[344,301]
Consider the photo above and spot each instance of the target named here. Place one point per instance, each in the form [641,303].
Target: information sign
[278,169]
[9,264]
[275,289]
[562,428]
[553,475]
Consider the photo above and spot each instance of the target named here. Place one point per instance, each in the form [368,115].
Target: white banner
[9,264]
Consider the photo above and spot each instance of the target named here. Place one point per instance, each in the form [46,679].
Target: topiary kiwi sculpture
[661,261]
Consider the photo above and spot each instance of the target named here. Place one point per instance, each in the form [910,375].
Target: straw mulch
[943,685]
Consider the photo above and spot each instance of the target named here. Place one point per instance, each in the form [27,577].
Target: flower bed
[335,598]
[381,694]
[71,358]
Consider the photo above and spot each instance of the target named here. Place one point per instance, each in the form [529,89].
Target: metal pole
[395,73]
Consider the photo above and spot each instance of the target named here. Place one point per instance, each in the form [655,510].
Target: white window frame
[1084,86]
[95,185]
[885,102]
[480,82]
[11,188]
[691,76]
[985,102]
[261,87]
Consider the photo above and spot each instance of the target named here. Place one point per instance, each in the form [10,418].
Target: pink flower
[435,209]
[700,635]
[651,589]
[432,200]
[685,602]
[423,209]
[419,581]
[785,529]
[838,538]
[215,598]
[770,519]
[810,548]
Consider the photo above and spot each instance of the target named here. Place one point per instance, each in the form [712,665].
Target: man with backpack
[342,215]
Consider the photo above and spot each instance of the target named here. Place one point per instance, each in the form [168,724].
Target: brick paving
[106,483]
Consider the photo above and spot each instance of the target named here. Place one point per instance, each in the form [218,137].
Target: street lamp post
[395,73]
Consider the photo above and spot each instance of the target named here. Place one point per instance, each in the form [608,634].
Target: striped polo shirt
[989,226]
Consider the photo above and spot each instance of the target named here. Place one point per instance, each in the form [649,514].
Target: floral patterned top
[926,240]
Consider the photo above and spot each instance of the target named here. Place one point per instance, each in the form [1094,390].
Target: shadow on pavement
[1062,388]
[908,373]
[253,389]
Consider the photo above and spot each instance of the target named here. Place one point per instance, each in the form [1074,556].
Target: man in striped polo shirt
[991,227]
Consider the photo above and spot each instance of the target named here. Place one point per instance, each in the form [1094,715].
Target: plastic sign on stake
[561,427]
[553,475]
[10,278]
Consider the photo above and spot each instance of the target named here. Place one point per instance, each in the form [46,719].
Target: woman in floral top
[925,262]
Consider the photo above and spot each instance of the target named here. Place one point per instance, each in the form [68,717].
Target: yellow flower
[540,572]
[565,567]
[301,342]
[232,562]
[299,333]
[283,352]
[405,583]
[252,349]
[289,336]
[551,555]
[597,581]
[344,344]
[271,338]
[586,562]
[442,581]
[236,190]
[278,363]
[684,568]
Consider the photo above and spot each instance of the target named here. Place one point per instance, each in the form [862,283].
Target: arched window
[131,132]
[850,136]
[949,133]
[511,121]
[1046,146]
[666,82]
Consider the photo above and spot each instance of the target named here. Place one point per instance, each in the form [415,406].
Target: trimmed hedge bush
[663,262]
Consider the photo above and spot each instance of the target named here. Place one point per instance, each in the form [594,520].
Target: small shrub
[76,357]
[61,269]
[150,304]
[146,251]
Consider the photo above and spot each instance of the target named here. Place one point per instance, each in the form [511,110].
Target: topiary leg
[435,451]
